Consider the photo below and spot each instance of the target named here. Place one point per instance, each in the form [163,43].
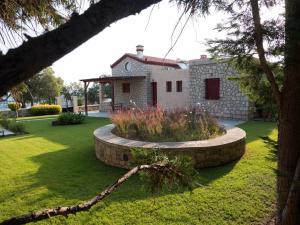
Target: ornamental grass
[156,124]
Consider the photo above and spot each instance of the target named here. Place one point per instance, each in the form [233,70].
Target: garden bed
[114,150]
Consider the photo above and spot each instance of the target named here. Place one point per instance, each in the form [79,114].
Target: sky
[94,57]
[154,31]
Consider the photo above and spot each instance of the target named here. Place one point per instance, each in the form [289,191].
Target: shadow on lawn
[76,173]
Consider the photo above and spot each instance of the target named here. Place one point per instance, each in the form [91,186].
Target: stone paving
[4,132]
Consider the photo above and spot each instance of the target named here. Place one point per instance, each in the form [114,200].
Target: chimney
[203,57]
[139,51]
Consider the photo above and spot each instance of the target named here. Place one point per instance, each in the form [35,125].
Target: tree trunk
[289,123]
[40,52]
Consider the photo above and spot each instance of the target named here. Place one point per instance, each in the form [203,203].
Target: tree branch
[40,52]
[162,168]
[261,51]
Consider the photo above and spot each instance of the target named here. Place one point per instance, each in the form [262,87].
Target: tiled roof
[149,60]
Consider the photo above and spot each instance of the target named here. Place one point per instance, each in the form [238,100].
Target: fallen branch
[164,169]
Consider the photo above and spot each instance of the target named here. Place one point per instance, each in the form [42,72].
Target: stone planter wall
[115,151]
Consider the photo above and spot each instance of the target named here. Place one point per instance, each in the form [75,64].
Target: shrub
[69,118]
[14,106]
[12,125]
[40,110]
[154,124]
[16,127]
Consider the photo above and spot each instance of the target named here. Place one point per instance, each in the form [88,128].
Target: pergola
[105,80]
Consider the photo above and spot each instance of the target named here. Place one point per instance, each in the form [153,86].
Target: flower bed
[154,124]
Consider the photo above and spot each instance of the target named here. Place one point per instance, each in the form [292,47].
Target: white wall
[171,100]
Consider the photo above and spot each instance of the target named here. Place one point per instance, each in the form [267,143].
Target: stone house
[142,81]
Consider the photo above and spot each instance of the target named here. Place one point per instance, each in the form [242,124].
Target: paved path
[98,114]
[4,132]
[230,123]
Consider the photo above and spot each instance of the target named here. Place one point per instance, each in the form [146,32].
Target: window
[179,86]
[212,88]
[126,87]
[128,66]
[169,86]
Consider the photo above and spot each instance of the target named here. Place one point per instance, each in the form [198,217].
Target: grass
[54,166]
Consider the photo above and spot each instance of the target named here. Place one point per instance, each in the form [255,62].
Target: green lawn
[54,166]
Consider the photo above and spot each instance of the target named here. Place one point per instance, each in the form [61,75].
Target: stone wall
[115,151]
[144,93]
[232,104]
[138,93]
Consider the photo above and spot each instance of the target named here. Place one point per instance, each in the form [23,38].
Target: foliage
[53,166]
[19,16]
[43,87]
[181,172]
[14,106]
[93,93]
[18,93]
[12,125]
[69,118]
[154,124]
[40,110]
[80,101]
[107,90]
[256,86]
[72,89]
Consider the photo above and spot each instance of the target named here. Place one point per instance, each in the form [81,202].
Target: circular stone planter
[115,151]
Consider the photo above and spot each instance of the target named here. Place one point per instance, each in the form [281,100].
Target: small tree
[15,106]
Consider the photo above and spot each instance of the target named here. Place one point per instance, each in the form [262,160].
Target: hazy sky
[94,57]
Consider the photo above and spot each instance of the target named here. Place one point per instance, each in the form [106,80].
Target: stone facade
[115,151]
[140,90]
[232,103]
[138,93]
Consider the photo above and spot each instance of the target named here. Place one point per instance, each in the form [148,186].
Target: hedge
[40,110]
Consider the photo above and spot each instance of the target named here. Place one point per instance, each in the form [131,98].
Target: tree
[247,36]
[93,93]
[256,86]
[43,87]
[39,52]
[72,89]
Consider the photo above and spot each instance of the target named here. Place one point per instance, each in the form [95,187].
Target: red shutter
[212,88]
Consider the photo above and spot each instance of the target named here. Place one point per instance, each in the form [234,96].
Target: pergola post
[112,95]
[86,84]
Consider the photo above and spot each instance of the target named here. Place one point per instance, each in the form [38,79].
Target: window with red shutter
[169,86]
[212,88]
[126,87]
